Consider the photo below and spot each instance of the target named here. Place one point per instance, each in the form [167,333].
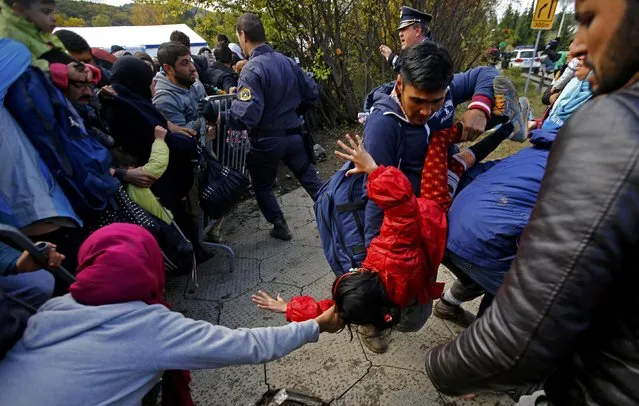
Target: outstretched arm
[357,154]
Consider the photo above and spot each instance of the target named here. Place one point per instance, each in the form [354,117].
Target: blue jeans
[490,280]
[33,288]
[263,160]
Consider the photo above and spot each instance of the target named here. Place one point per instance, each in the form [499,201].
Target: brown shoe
[372,339]
[448,311]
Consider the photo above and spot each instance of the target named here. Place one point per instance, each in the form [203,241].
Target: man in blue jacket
[494,205]
[398,126]
[272,93]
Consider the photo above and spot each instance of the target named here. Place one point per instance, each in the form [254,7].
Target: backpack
[79,162]
[339,212]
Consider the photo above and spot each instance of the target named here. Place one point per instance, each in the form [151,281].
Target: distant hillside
[85,13]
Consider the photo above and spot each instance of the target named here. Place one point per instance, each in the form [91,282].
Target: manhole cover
[285,397]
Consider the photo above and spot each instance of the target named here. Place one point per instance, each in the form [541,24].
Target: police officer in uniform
[414,27]
[272,93]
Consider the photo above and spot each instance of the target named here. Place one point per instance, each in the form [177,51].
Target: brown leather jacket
[569,307]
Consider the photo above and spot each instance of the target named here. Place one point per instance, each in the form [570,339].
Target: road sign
[544,14]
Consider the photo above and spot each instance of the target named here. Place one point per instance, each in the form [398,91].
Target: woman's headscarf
[133,74]
[146,58]
[123,263]
[117,264]
[575,94]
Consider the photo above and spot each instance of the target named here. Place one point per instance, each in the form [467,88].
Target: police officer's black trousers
[263,160]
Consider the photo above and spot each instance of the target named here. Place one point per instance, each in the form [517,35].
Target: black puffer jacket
[223,77]
[568,307]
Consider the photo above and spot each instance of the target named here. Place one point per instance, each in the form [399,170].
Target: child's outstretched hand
[357,154]
[159,132]
[264,301]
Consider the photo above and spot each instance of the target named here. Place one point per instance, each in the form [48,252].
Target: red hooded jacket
[406,253]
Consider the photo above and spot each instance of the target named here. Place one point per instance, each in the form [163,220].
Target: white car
[524,58]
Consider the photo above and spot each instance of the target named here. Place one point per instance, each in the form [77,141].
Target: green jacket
[158,161]
[16,27]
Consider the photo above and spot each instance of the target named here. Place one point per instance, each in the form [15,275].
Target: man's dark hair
[252,27]
[182,38]
[223,53]
[203,50]
[427,66]
[72,41]
[425,29]
[222,38]
[116,48]
[170,52]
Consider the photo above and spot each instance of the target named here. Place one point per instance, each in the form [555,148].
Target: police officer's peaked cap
[409,16]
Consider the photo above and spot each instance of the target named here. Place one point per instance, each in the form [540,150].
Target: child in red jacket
[396,284]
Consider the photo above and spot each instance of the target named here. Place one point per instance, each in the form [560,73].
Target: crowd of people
[100,158]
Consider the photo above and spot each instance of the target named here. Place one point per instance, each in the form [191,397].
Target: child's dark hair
[361,299]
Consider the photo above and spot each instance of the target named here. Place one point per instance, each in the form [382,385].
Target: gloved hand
[210,110]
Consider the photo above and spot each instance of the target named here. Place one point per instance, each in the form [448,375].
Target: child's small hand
[160,132]
[329,321]
[264,301]
[79,73]
[357,154]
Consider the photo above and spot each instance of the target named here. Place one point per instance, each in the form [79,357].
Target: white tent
[136,37]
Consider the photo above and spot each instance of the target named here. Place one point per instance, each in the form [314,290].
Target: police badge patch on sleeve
[244,94]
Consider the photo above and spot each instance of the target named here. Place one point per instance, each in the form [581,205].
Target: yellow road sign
[544,14]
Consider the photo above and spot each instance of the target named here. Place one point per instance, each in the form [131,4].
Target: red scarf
[123,263]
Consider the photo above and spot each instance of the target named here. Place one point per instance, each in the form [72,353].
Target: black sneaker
[280,230]
[448,311]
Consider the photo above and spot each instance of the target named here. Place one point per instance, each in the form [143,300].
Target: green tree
[101,20]
[167,11]
[143,14]
[339,39]
[64,21]
[208,25]
[525,34]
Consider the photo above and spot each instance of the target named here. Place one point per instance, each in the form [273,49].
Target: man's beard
[622,54]
[184,80]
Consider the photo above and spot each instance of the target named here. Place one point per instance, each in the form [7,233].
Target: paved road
[337,369]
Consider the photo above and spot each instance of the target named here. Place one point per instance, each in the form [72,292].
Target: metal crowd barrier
[230,148]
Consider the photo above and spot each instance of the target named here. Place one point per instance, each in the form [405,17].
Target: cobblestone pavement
[336,369]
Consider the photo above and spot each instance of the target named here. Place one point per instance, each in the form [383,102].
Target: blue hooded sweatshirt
[488,216]
[72,354]
[393,141]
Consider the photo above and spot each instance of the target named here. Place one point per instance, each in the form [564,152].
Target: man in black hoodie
[221,73]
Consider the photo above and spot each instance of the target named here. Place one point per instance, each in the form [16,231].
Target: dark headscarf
[133,74]
[123,263]
[143,56]
[132,118]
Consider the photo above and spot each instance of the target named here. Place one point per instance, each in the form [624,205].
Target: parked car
[524,58]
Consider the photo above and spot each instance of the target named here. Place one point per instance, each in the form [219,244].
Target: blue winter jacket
[29,194]
[393,141]
[488,216]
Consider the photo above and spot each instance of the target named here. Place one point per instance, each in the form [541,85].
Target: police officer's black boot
[280,230]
